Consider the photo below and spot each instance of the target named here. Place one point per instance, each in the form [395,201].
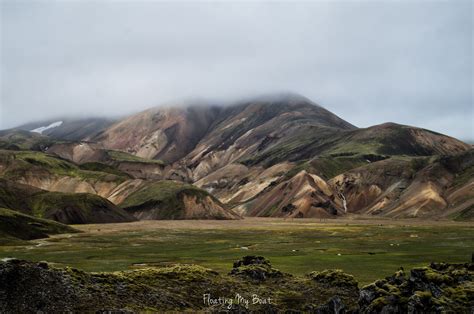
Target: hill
[68,208]
[24,140]
[175,200]
[15,225]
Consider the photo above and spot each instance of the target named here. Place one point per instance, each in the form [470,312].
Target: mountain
[261,132]
[276,155]
[156,133]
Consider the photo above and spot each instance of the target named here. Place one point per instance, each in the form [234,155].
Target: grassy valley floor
[367,248]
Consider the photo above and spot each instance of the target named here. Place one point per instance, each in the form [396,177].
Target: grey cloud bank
[370,62]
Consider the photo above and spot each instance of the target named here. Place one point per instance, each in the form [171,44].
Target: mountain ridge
[246,152]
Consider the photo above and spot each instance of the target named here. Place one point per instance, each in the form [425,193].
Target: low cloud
[369,62]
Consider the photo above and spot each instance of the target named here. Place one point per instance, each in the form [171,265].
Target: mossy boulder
[334,277]
[256,268]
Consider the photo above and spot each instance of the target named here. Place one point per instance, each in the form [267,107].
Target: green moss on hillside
[24,140]
[14,195]
[119,156]
[70,208]
[23,162]
[328,167]
[464,177]
[165,193]
[188,288]
[356,147]
[175,200]
[100,167]
[333,277]
[43,203]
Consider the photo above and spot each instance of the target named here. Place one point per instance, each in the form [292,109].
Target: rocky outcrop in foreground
[439,288]
[252,285]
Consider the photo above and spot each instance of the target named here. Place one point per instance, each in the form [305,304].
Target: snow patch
[40,130]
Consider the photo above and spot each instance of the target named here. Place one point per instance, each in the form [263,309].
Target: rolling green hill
[68,208]
[175,200]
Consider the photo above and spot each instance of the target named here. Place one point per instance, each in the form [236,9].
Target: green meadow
[367,250]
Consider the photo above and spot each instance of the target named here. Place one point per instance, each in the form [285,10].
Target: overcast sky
[367,61]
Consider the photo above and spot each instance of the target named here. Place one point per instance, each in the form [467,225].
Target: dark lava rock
[28,287]
[23,288]
[334,306]
[334,277]
[439,288]
[256,268]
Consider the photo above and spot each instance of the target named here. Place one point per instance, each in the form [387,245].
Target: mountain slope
[388,139]
[441,187]
[159,133]
[303,196]
[244,130]
[51,173]
[93,156]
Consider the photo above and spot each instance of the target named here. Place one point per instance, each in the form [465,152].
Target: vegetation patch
[297,246]
[120,156]
[69,208]
[334,277]
[101,167]
[194,288]
[22,163]
[166,199]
